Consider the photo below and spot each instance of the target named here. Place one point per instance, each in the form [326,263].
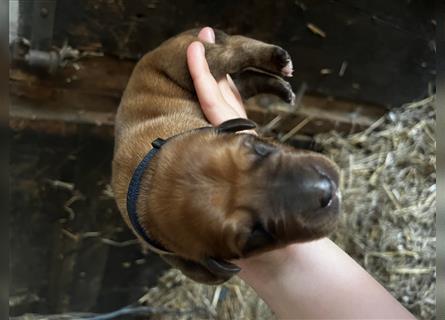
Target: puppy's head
[218,195]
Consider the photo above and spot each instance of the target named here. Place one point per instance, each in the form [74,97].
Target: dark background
[50,271]
[388,45]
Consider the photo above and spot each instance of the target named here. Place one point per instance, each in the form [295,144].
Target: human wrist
[284,263]
[274,276]
[273,268]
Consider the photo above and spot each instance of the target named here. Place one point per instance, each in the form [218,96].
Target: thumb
[207,34]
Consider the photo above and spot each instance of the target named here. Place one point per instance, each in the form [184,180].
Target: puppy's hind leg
[232,54]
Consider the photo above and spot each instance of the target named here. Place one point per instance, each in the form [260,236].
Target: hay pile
[389,193]
[388,224]
[231,300]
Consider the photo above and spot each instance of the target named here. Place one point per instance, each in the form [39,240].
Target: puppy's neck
[153,167]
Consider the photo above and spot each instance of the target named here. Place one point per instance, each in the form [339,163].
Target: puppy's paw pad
[291,98]
[283,60]
[288,69]
[283,90]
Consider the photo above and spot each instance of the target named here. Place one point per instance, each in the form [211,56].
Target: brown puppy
[210,195]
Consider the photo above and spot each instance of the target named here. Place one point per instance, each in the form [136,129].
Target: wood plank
[89,94]
[70,249]
[389,56]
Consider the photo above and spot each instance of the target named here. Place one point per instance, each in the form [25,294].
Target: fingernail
[212,34]
[203,50]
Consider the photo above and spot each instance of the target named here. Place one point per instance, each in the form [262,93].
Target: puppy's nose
[318,188]
[305,185]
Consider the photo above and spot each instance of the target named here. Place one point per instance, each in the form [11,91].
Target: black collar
[133,194]
[229,126]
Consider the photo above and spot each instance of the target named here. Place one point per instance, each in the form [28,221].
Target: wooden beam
[86,95]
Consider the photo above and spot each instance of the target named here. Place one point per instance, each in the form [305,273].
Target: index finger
[226,86]
[213,105]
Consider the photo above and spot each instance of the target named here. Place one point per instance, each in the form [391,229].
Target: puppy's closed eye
[258,238]
[259,148]
[263,149]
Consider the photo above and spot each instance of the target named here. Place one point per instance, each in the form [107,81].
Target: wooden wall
[388,46]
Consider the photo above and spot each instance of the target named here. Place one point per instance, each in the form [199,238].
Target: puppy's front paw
[253,81]
[282,60]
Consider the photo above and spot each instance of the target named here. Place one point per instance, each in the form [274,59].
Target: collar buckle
[158,143]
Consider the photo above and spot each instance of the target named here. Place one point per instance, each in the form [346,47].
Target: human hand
[220,100]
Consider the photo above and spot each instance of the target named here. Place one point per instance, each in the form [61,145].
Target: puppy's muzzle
[304,196]
[309,183]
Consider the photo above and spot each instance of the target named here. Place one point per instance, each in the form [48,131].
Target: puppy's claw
[287,94]
[291,99]
[288,69]
[283,60]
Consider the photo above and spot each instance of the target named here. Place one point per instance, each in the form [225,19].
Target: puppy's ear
[234,125]
[258,239]
[221,268]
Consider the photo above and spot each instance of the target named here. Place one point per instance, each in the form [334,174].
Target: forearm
[318,280]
